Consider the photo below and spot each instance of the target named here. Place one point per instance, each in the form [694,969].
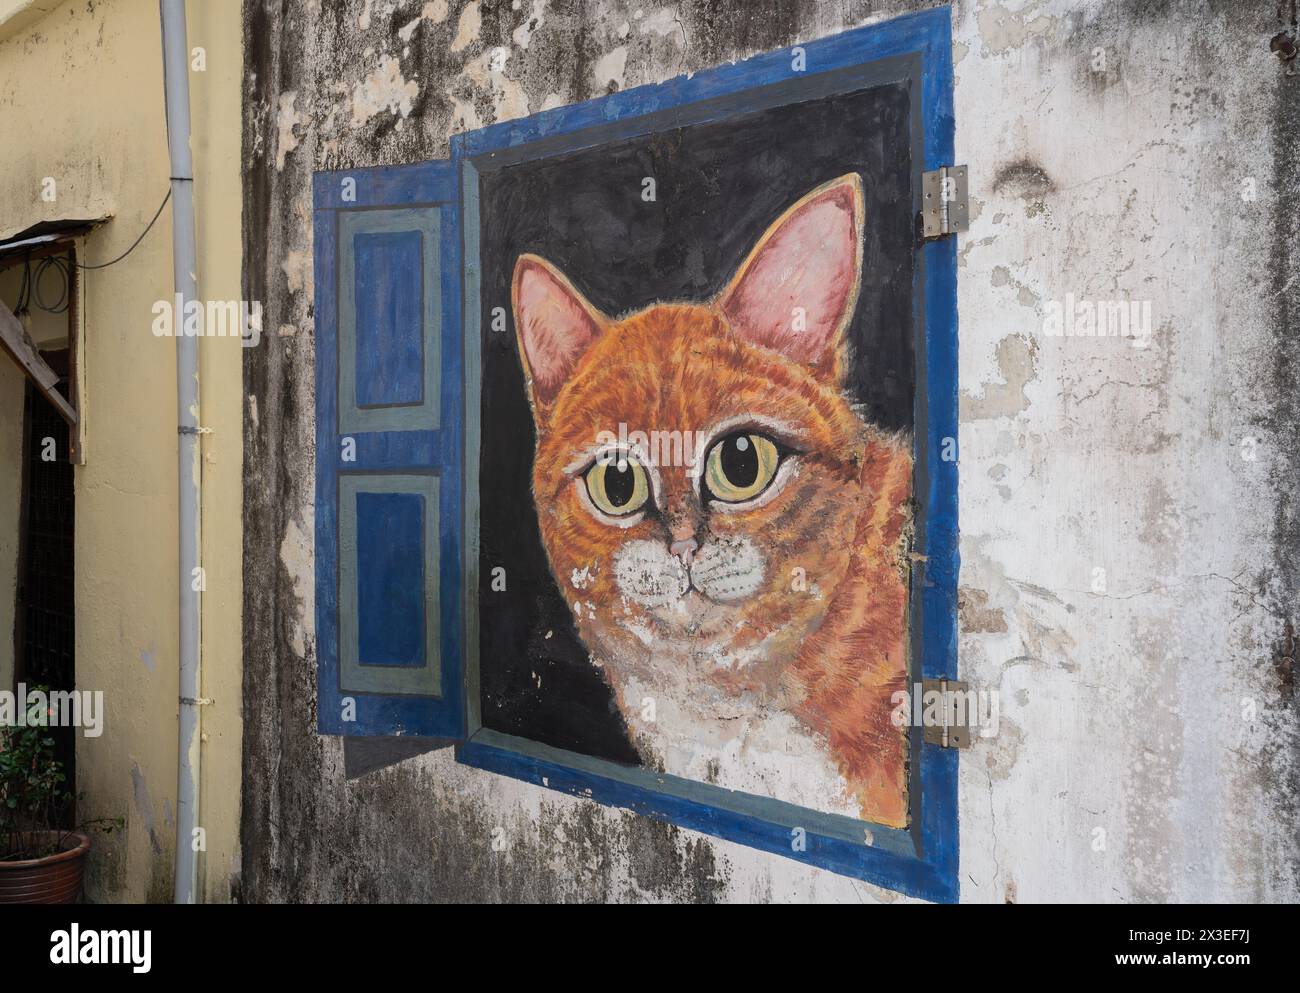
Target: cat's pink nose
[684,549]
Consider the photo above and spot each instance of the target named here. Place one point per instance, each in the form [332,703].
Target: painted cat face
[697,464]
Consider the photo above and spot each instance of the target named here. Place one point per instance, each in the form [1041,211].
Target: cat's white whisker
[727,571]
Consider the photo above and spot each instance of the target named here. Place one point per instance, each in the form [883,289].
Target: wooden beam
[20,348]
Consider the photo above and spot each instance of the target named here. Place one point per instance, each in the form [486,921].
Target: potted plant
[39,862]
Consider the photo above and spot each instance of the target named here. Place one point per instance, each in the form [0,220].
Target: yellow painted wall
[81,96]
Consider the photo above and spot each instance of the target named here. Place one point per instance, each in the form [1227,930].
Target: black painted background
[719,186]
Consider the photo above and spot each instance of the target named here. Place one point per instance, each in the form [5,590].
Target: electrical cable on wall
[29,291]
[60,306]
[157,214]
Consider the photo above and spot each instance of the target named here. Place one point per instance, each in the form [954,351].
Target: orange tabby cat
[747,602]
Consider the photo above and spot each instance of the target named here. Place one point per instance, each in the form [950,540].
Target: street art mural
[636,426]
[697,447]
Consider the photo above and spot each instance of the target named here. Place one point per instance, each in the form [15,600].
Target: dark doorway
[44,631]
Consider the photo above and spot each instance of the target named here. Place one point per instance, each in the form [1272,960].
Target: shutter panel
[388,451]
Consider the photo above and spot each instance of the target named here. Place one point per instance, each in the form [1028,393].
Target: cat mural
[748,607]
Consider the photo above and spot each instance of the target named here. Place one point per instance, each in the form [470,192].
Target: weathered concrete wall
[81,97]
[1128,525]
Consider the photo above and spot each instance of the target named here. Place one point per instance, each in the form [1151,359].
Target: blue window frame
[413,482]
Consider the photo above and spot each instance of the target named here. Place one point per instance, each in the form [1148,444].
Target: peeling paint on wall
[467,28]
[1016,363]
[1003,29]
[144,806]
[297,557]
[609,69]
[288,119]
[385,89]
[434,13]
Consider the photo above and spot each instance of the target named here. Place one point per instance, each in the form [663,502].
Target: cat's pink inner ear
[797,290]
[556,324]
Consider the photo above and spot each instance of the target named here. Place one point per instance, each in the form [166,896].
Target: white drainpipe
[176,83]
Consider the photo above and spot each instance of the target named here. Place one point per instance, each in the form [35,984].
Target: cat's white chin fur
[738,743]
[694,729]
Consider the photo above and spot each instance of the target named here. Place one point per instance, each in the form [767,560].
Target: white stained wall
[1124,572]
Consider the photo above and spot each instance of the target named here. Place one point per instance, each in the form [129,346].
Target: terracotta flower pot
[53,879]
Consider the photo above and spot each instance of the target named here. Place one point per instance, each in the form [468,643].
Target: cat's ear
[555,325]
[796,291]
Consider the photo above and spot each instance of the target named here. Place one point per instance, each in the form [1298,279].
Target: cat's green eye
[617,485]
[740,466]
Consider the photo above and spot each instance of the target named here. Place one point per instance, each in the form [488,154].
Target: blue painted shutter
[389,446]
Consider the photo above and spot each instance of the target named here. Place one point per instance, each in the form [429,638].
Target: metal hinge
[954,730]
[945,205]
